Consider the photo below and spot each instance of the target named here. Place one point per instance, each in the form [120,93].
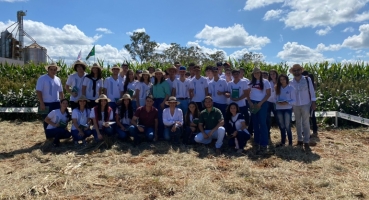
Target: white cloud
[348,29]
[235,36]
[280,38]
[272,14]
[66,42]
[161,47]
[358,41]
[322,32]
[332,47]
[104,30]
[137,30]
[253,4]
[294,52]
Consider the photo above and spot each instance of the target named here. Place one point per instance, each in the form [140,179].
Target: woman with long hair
[259,94]
[101,116]
[81,121]
[129,87]
[57,121]
[285,99]
[92,85]
[191,123]
[272,78]
[143,88]
[123,116]
[236,129]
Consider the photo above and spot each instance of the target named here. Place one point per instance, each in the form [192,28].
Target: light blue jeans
[218,134]
[302,117]
[183,105]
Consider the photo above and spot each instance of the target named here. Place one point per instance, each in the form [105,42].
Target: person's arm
[167,122]
[106,85]
[266,97]
[61,95]
[117,120]
[220,123]
[312,94]
[84,86]
[174,91]
[49,121]
[41,100]
[201,128]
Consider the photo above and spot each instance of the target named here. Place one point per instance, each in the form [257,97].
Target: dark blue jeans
[134,132]
[52,106]
[122,134]
[284,118]
[221,107]
[113,106]
[189,136]
[57,134]
[271,109]
[157,103]
[261,135]
[173,137]
[108,131]
[242,138]
[313,121]
[76,137]
[245,111]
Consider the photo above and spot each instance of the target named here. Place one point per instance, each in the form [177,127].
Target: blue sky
[282,30]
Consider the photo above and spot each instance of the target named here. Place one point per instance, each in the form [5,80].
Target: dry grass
[337,168]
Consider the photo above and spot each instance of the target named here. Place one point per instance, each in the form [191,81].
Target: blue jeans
[271,108]
[189,136]
[183,105]
[52,106]
[122,134]
[76,137]
[245,111]
[284,118]
[134,132]
[172,136]
[113,105]
[157,103]
[108,131]
[221,107]
[242,138]
[134,106]
[261,135]
[57,134]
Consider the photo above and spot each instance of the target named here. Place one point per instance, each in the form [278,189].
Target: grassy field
[337,168]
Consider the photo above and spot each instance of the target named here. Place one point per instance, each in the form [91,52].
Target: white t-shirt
[241,86]
[82,117]
[144,89]
[113,88]
[209,80]
[56,117]
[256,93]
[198,86]
[122,78]
[170,83]
[238,123]
[272,92]
[92,116]
[89,84]
[130,86]
[215,86]
[125,119]
[50,88]
[182,88]
[75,81]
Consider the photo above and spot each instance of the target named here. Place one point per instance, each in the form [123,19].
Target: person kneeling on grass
[145,121]
[212,120]
[123,116]
[101,116]
[236,128]
[191,123]
[81,121]
[173,121]
[57,121]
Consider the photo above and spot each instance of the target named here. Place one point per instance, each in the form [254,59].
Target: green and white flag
[92,53]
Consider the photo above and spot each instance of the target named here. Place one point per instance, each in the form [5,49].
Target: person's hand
[234,134]
[193,129]
[227,95]
[162,106]
[173,128]
[99,136]
[42,106]
[140,129]
[81,134]
[106,124]
[205,136]
[122,128]
[259,105]
[313,105]
[210,133]
[192,124]
[219,93]
[74,94]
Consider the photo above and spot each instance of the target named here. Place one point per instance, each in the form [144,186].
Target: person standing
[49,91]
[273,75]
[172,71]
[112,87]
[129,87]
[143,88]
[218,88]
[209,74]
[312,116]
[123,72]
[305,101]
[198,88]
[75,81]
[180,90]
[92,85]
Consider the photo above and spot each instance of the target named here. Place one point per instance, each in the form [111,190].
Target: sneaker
[307,147]
[299,143]
[218,151]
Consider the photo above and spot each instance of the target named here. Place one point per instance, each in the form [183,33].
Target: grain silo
[35,53]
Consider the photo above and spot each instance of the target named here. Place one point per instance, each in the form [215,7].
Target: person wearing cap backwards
[198,88]
[112,87]
[74,82]
[180,88]
[123,72]
[92,85]
[173,121]
[49,90]
[218,88]
[237,92]
[305,101]
[211,125]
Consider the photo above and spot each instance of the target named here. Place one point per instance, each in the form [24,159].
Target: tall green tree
[141,48]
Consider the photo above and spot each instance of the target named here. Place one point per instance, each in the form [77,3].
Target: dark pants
[157,103]
[313,121]
[260,128]
[189,136]
[122,134]
[108,131]
[242,138]
[248,119]
[284,118]
[135,133]
[271,108]
[52,106]
[76,137]
[57,134]
[221,107]
[245,111]
[199,106]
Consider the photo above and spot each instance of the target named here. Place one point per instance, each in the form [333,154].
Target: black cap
[219,64]
[215,69]
[235,71]
[191,64]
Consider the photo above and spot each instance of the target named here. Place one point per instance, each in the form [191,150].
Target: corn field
[340,87]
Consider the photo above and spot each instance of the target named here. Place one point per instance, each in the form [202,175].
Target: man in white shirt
[177,65]
[305,99]
[49,90]
[198,88]
[112,87]
[123,72]
[172,71]
[208,73]
[191,70]
[218,88]
[180,90]
[74,82]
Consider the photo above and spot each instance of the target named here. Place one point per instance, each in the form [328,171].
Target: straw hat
[172,99]
[146,72]
[53,64]
[78,62]
[96,65]
[101,97]
[126,96]
[296,67]
[82,98]
[172,68]
[256,70]
[115,67]
[158,70]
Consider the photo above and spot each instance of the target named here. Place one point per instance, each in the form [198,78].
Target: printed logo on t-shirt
[257,86]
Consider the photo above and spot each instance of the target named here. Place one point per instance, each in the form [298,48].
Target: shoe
[261,151]
[239,151]
[314,135]
[312,143]
[279,145]
[307,147]
[299,143]
[218,151]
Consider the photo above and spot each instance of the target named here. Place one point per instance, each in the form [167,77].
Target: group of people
[178,105]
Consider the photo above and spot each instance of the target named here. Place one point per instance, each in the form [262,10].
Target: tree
[252,57]
[218,56]
[141,48]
